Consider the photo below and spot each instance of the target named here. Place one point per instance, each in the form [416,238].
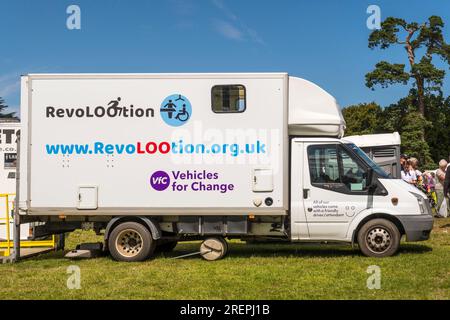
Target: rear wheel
[379,238]
[130,242]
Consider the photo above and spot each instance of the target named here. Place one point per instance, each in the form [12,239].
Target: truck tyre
[130,242]
[166,246]
[214,248]
[379,238]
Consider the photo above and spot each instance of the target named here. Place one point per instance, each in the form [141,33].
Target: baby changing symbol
[176,110]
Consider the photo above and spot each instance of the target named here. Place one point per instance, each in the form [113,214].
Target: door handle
[305,193]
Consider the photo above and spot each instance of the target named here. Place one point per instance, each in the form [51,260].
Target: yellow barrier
[24,243]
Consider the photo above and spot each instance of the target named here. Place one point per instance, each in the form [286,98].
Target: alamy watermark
[74,279]
[73,21]
[374,20]
[374,280]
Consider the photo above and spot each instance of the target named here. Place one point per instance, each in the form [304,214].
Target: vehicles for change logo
[176,110]
[160,180]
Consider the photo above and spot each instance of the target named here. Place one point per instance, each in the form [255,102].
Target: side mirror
[370,182]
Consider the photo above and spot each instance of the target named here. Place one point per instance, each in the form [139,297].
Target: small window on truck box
[228,98]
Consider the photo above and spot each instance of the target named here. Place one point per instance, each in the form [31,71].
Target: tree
[393,117]
[3,107]
[369,118]
[413,36]
[412,144]
[438,137]
[362,118]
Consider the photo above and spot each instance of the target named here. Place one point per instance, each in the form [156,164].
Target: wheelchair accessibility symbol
[176,110]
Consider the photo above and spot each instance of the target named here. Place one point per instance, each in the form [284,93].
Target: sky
[321,41]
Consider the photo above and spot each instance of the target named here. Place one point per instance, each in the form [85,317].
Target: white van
[153,159]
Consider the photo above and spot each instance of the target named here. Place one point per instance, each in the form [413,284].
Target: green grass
[257,271]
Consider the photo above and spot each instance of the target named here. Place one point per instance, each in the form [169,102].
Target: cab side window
[332,167]
[323,164]
[353,175]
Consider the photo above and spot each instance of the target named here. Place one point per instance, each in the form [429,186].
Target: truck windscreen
[383,174]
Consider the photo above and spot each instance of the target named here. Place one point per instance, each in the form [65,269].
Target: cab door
[334,189]
[299,225]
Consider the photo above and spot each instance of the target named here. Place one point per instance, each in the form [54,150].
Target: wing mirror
[370,180]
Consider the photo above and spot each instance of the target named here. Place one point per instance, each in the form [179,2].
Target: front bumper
[417,227]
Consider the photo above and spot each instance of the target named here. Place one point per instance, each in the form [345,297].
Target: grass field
[282,271]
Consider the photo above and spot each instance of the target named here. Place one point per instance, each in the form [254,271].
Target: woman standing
[415,166]
[440,177]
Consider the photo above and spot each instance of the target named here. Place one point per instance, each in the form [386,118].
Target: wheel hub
[378,239]
[129,243]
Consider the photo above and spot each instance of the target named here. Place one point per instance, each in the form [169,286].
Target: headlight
[424,205]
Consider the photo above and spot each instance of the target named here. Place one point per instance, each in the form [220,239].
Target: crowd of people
[434,183]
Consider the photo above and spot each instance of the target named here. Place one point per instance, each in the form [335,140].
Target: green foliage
[392,118]
[362,118]
[423,117]
[387,35]
[433,76]
[412,36]
[413,144]
[438,137]
[3,107]
[386,74]
[435,127]
[370,118]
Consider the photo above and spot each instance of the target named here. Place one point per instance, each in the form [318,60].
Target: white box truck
[153,159]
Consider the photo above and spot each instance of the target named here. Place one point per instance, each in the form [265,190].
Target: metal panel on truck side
[70,143]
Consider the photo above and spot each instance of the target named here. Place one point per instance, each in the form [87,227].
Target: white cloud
[234,28]
[228,30]
[228,13]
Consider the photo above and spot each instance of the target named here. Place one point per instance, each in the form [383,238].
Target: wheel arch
[378,215]
[149,223]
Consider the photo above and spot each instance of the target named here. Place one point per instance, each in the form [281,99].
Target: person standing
[415,166]
[408,174]
[403,159]
[447,189]
[439,187]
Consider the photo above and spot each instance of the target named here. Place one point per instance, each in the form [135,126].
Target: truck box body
[94,142]
[194,156]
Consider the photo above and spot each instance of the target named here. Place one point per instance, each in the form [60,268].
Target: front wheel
[379,238]
[130,242]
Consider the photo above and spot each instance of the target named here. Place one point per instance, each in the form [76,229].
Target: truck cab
[339,194]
